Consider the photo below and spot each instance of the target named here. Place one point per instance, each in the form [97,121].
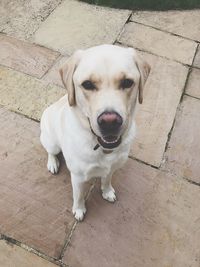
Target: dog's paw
[109,194]
[53,164]
[79,213]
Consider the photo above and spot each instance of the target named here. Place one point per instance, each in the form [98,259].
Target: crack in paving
[20,114]
[43,18]
[195,67]
[191,181]
[178,108]
[151,53]
[68,240]
[162,30]
[188,75]
[143,162]
[13,241]
[171,172]
[123,27]
[188,180]
[59,57]
[195,97]
[69,236]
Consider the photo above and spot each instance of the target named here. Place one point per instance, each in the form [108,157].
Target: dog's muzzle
[109,123]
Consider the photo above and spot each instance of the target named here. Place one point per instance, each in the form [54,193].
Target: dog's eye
[88,85]
[126,83]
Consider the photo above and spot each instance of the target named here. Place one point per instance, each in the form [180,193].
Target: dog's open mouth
[109,142]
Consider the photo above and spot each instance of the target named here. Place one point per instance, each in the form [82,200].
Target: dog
[93,124]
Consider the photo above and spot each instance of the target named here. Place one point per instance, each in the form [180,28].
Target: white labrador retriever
[93,125]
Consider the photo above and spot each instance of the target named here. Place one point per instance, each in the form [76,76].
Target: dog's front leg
[79,190]
[108,192]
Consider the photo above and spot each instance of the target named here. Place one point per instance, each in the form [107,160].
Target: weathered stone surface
[182,156]
[74,25]
[183,23]
[26,95]
[158,42]
[21,18]
[53,75]
[25,57]
[196,62]
[11,255]
[155,222]
[35,205]
[193,85]
[154,118]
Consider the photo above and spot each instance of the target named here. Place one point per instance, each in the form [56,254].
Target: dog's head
[105,82]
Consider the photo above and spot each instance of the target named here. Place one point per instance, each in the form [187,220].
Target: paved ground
[156,220]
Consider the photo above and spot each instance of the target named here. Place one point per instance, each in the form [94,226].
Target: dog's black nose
[109,123]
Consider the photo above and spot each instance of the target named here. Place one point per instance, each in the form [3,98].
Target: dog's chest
[105,165]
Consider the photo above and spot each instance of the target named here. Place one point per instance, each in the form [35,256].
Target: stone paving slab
[158,42]
[14,256]
[35,206]
[74,25]
[53,75]
[196,62]
[154,223]
[154,118]
[183,23]
[25,57]
[193,85]
[21,18]
[182,156]
[25,94]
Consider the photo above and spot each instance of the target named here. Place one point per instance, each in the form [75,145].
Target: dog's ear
[144,70]
[67,72]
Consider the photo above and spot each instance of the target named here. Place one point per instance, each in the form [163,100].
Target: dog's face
[104,82]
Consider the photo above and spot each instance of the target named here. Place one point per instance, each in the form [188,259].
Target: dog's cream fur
[67,125]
